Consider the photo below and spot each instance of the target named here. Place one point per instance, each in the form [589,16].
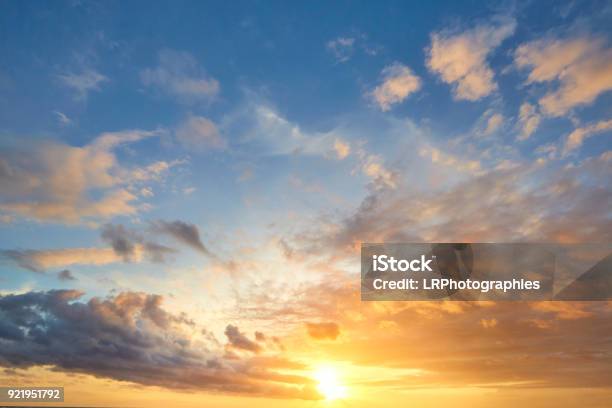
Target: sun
[329,384]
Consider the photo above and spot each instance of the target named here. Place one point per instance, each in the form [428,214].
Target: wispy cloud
[179,75]
[580,134]
[199,133]
[84,82]
[62,118]
[529,120]
[186,233]
[42,260]
[342,48]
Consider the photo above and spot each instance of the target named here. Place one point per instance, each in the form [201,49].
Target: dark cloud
[120,239]
[23,258]
[323,331]
[259,336]
[240,341]
[183,232]
[126,242]
[131,337]
[65,275]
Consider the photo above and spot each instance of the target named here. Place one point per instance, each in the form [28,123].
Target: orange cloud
[583,67]
[323,331]
[56,182]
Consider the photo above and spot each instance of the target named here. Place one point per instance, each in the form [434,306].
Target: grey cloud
[23,258]
[126,242]
[183,232]
[240,341]
[65,275]
[120,239]
[129,337]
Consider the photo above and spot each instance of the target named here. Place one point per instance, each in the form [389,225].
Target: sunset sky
[184,188]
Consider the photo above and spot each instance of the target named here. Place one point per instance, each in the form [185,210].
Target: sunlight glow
[329,384]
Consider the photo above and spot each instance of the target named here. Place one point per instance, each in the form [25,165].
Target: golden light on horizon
[329,383]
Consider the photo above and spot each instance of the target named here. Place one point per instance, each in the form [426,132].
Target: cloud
[83,82]
[125,246]
[461,59]
[373,167]
[398,82]
[131,246]
[579,135]
[238,340]
[341,48]
[120,240]
[529,119]
[179,75]
[62,118]
[41,260]
[66,275]
[342,149]
[200,133]
[268,132]
[183,232]
[323,331]
[581,66]
[494,123]
[52,181]
[131,337]
[452,161]
[521,202]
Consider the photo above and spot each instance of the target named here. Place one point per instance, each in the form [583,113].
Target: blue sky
[256,72]
[73,71]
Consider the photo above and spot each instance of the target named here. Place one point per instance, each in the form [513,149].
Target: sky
[184,188]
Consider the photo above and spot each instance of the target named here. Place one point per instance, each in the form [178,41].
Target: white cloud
[180,75]
[398,82]
[342,48]
[461,59]
[62,118]
[579,135]
[200,133]
[529,119]
[83,82]
[582,67]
